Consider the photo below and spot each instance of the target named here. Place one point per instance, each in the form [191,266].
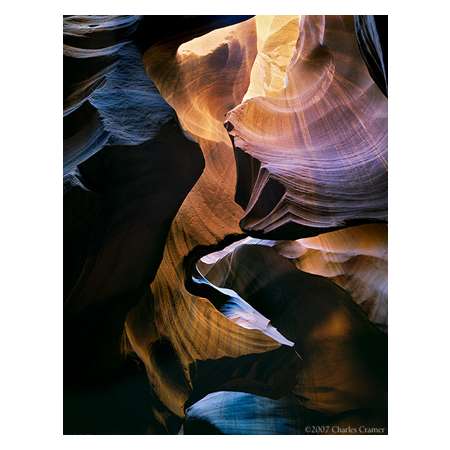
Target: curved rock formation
[332,173]
[91,46]
[343,365]
[280,134]
[355,258]
[118,206]
[372,34]
[243,413]
[196,330]
[322,135]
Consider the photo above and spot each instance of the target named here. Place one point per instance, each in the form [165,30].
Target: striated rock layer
[297,99]
[119,203]
[322,135]
[194,328]
[224,209]
[343,365]
[355,258]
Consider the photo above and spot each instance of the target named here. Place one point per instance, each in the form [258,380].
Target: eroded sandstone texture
[225,224]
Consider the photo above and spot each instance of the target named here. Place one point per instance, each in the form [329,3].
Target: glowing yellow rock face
[276,40]
[205,78]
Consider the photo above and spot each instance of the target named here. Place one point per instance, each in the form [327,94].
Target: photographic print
[225,224]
